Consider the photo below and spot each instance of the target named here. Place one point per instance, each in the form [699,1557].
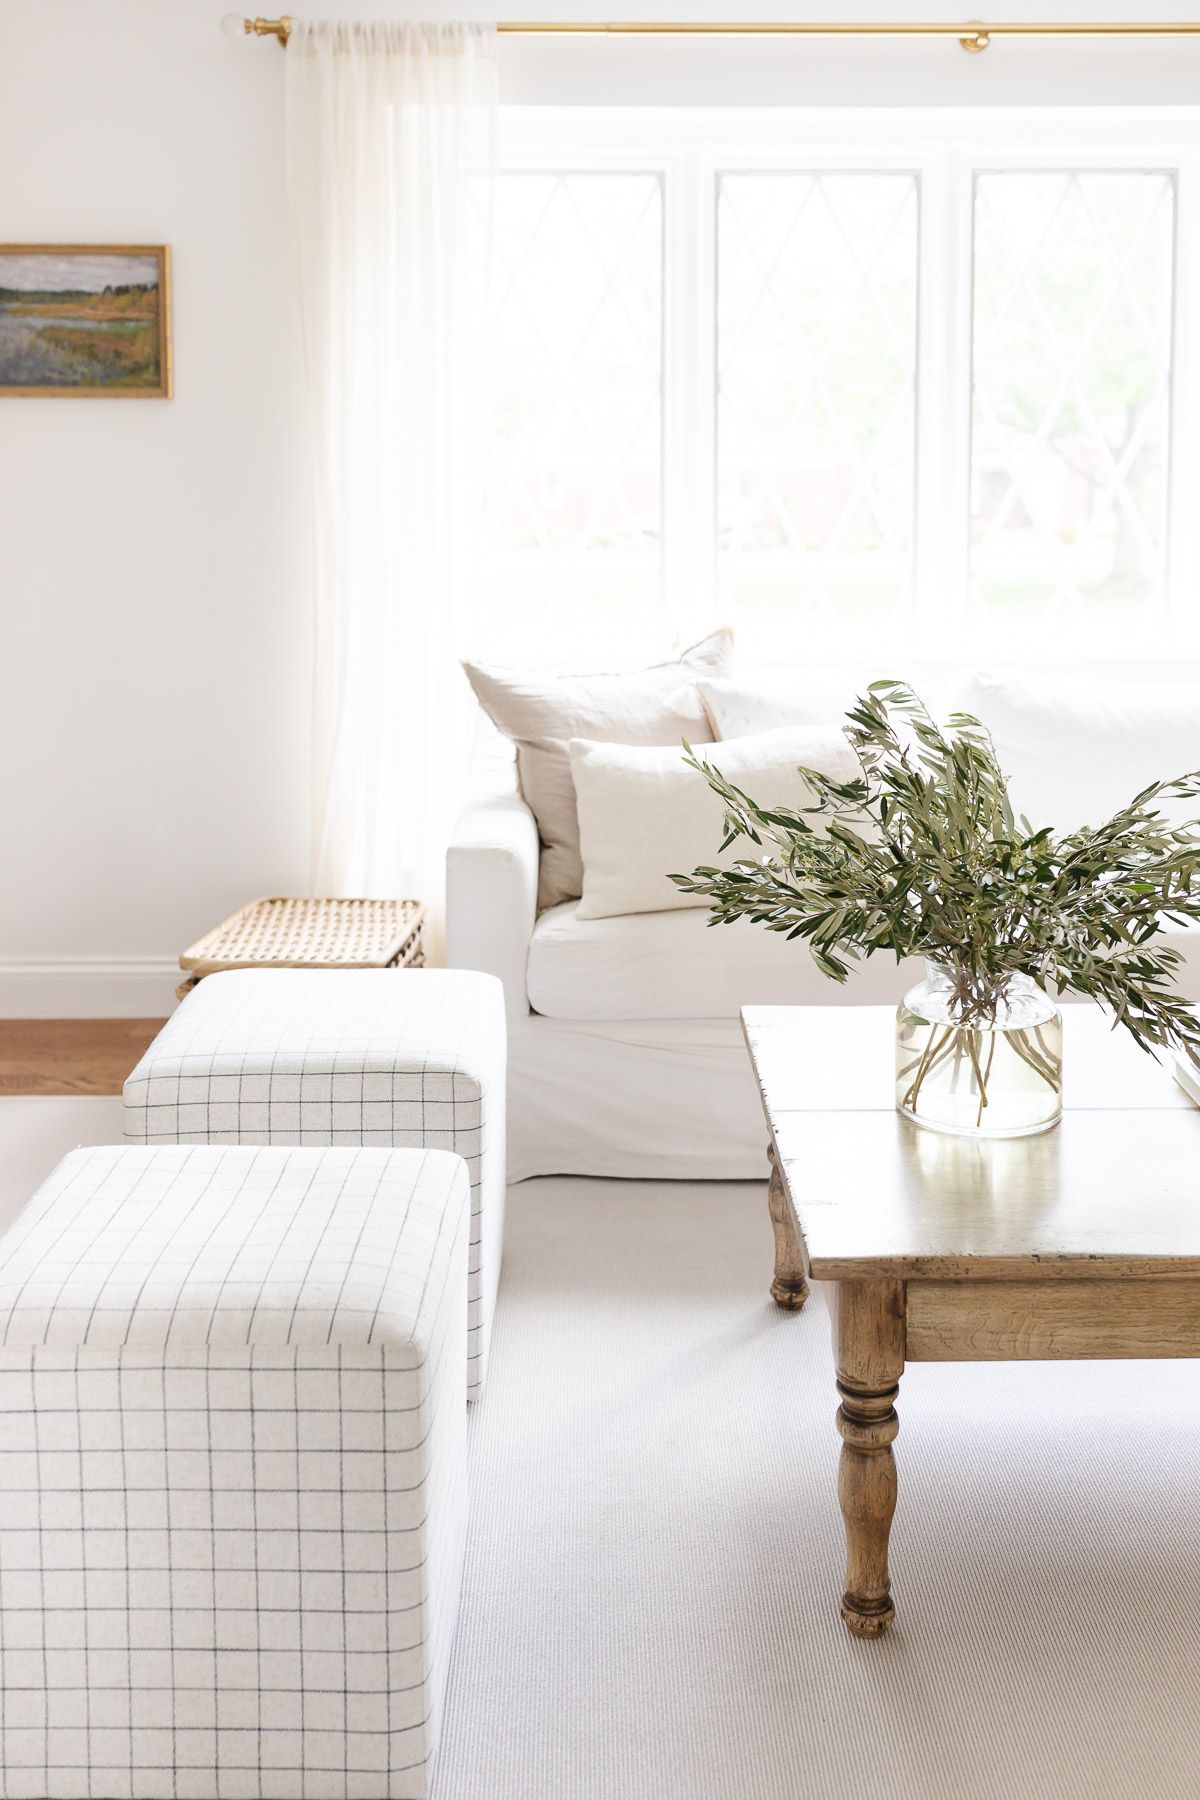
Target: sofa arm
[492,875]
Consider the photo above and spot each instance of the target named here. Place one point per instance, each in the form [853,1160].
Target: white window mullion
[943,406]
[1182,624]
[960,237]
[690,398]
[934,378]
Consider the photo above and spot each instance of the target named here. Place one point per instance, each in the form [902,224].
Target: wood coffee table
[1081,1242]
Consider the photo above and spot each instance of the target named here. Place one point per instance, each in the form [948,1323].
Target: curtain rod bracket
[976,38]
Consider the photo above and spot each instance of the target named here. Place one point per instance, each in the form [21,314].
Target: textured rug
[655,1560]
[656,1551]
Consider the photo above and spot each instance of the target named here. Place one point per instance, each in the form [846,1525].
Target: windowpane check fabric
[412,1057]
[232,1473]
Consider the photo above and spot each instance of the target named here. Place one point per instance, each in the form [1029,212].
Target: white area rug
[651,1610]
[657,1556]
[35,1134]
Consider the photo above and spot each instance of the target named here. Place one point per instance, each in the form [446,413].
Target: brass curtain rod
[974,36]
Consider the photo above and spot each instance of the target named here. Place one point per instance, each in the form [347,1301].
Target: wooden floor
[71,1056]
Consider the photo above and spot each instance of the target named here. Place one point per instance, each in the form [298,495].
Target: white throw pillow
[645,814]
[767,700]
[541,712]
[1076,750]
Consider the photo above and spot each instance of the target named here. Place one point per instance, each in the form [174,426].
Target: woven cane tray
[279,933]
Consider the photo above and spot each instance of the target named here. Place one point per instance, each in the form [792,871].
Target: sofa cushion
[674,965]
[1075,751]
[645,813]
[752,700]
[542,712]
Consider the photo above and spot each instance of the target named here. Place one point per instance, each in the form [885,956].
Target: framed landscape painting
[85,319]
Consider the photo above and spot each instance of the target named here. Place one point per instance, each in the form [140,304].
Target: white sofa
[625,1048]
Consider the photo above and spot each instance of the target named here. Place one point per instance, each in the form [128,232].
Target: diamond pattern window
[573,534]
[816,467]
[1071,395]
[910,393]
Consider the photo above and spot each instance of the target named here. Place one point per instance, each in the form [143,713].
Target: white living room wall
[153,570]
[154,557]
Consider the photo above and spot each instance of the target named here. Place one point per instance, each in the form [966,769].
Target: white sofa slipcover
[232,1488]
[625,1048]
[640,1094]
[675,965]
[384,1057]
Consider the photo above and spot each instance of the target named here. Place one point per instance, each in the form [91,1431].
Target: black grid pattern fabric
[412,1057]
[232,1474]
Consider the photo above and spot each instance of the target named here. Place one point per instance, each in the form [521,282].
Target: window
[849,380]
[816,421]
[575,470]
[1071,393]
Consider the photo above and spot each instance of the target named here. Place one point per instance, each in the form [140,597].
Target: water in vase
[997,1076]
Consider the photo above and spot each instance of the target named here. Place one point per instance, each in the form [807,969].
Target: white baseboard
[87,987]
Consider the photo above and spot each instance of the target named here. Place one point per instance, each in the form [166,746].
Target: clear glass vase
[995,1076]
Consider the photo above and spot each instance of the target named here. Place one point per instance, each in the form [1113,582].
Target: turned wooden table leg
[789,1288]
[869,1334]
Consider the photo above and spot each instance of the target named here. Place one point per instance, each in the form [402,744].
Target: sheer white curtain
[390,150]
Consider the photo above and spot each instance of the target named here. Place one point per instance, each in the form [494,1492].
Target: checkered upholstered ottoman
[232,1501]
[284,1056]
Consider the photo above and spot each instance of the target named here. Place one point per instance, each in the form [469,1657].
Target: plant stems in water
[966,1041]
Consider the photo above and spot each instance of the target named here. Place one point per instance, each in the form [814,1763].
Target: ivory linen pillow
[1075,750]
[766,700]
[542,712]
[644,814]
[754,701]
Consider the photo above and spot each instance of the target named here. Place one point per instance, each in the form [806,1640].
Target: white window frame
[689,148]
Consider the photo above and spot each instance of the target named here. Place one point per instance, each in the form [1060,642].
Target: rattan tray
[279,933]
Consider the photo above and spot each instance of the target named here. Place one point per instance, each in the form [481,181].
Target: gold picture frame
[86,321]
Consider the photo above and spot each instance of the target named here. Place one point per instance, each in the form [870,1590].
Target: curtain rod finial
[235,26]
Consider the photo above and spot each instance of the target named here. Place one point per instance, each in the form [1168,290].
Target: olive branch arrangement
[921,854]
